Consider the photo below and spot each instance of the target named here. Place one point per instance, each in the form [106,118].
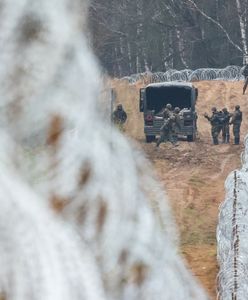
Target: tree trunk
[242,24]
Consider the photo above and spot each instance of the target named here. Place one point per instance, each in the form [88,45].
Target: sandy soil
[193,174]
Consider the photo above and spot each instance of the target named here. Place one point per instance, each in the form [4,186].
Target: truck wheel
[190,138]
[150,138]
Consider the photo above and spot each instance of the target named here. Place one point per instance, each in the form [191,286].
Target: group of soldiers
[220,123]
[171,124]
[168,131]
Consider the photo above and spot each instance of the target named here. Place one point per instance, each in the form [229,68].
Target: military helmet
[224,109]
[169,106]
[119,106]
[177,110]
[214,109]
[166,113]
[237,107]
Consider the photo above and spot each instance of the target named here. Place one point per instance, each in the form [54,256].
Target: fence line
[232,231]
[232,73]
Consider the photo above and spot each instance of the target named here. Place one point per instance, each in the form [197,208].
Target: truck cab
[153,100]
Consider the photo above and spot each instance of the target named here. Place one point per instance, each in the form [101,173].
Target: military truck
[153,100]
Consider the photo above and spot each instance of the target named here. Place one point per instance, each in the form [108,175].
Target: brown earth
[193,174]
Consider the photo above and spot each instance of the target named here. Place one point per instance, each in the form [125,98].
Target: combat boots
[215,141]
[236,141]
[226,139]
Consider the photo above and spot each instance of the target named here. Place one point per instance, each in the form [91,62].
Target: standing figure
[245,73]
[169,108]
[119,117]
[236,122]
[225,126]
[166,129]
[215,125]
[176,124]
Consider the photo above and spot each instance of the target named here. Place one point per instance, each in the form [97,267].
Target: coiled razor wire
[232,232]
[113,236]
[231,73]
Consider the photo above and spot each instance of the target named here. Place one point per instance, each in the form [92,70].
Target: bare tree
[242,46]
[134,36]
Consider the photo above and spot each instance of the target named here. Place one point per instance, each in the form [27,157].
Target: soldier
[236,122]
[176,124]
[215,125]
[225,126]
[119,116]
[245,73]
[166,129]
[177,110]
[169,108]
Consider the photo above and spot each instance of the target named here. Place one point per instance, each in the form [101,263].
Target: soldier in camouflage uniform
[215,125]
[176,125]
[236,122]
[177,111]
[225,126]
[169,108]
[119,117]
[166,133]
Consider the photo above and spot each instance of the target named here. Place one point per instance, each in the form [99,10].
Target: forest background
[130,36]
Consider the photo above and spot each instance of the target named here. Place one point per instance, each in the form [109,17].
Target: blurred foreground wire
[81,214]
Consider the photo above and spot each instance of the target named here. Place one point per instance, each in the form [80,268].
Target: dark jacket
[236,117]
[214,119]
[119,116]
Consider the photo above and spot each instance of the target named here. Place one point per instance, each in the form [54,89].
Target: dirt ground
[193,174]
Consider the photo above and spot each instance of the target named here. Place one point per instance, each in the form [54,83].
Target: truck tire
[190,138]
[150,138]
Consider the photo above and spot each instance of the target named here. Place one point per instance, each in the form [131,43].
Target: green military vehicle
[153,100]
